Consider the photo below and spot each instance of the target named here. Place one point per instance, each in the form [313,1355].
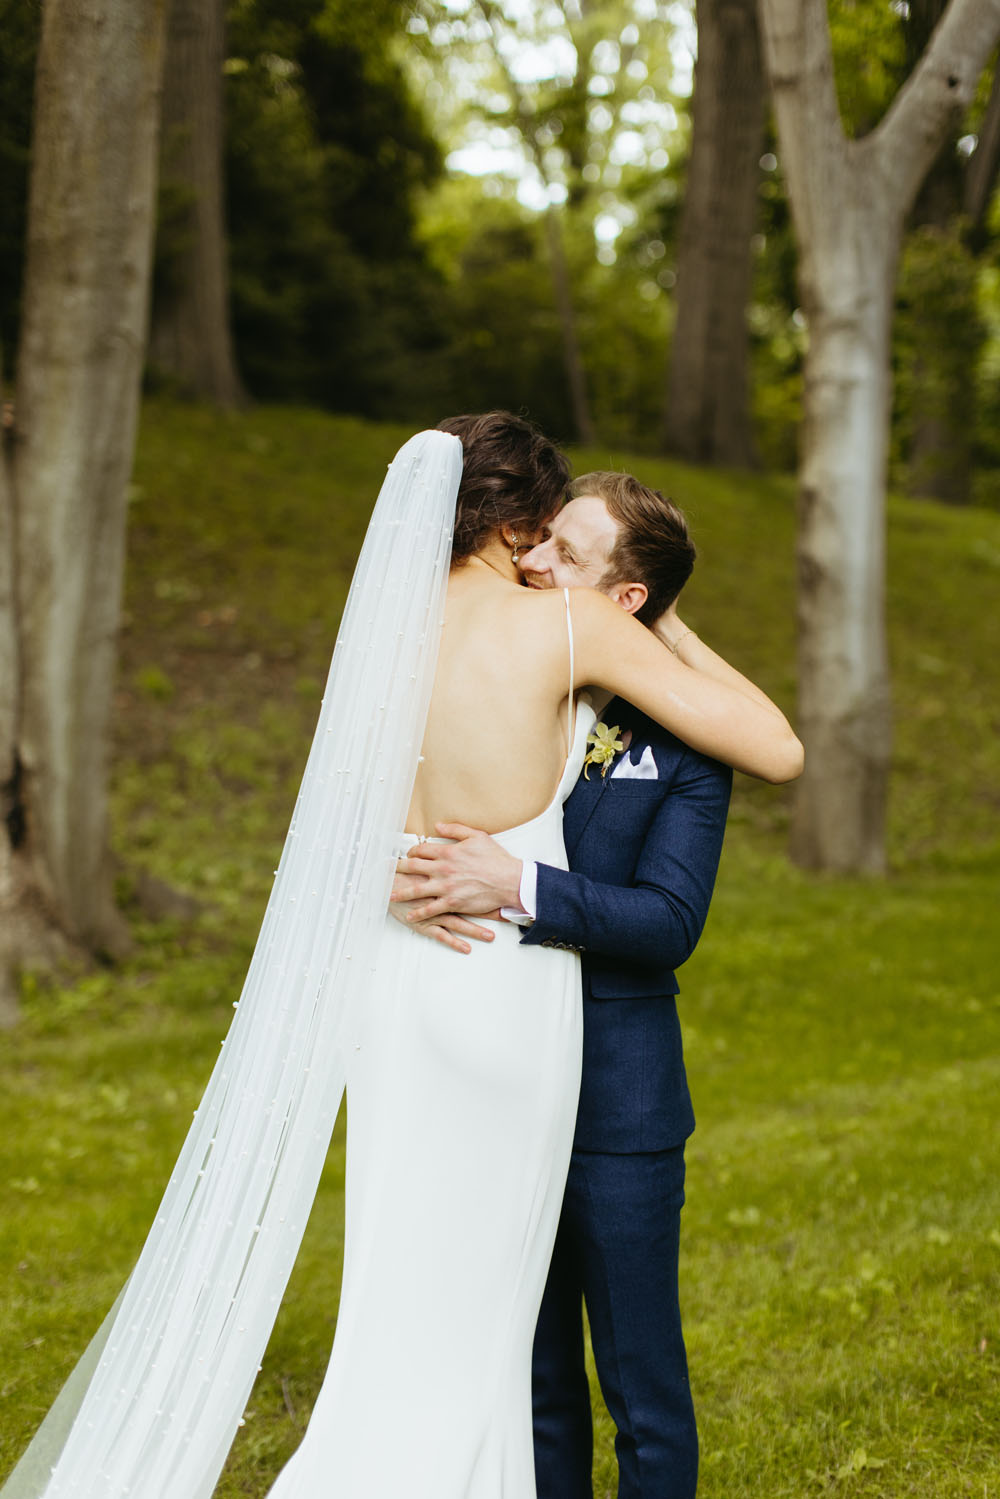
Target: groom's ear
[629,596]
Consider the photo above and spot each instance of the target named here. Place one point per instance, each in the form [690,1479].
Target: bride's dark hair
[512,476]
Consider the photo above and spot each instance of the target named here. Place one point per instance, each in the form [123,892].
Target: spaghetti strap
[570,701]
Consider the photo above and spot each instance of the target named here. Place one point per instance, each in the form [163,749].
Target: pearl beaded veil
[152,1408]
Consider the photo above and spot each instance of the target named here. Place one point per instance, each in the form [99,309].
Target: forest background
[842,1240]
[370,273]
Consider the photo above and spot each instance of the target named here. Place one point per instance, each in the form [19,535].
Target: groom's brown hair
[653,545]
[512,475]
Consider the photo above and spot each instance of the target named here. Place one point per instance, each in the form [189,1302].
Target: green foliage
[870,55]
[777,332]
[938,340]
[326,154]
[563,82]
[583,101]
[986,481]
[504,347]
[841,1254]
[154,682]
[625,324]
[366,281]
[332,300]
[504,338]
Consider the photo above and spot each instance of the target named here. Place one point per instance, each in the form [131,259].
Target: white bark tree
[849,200]
[66,463]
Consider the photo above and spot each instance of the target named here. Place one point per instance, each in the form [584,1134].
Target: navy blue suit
[643,856]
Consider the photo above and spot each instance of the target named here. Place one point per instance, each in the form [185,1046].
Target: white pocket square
[625,770]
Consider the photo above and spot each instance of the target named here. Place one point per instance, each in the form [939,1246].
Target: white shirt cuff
[528,896]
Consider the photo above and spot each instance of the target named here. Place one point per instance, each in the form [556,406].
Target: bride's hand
[448,929]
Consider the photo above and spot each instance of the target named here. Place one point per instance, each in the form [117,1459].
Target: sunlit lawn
[841,1275]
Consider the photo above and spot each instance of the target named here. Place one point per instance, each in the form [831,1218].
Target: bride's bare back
[496,737]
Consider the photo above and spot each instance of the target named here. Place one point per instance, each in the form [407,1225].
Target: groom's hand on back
[471,875]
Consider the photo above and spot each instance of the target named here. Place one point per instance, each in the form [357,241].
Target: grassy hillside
[842,1234]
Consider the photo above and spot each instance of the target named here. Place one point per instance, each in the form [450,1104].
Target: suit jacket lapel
[583,799]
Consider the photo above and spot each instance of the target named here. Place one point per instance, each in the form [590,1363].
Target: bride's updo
[512,476]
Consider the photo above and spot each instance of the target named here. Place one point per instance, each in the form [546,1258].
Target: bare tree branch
[799,56]
[939,88]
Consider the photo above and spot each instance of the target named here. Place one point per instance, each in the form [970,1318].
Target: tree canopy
[389,170]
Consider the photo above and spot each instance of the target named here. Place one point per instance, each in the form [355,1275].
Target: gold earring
[515,554]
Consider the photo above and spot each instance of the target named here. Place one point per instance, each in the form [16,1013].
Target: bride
[452,696]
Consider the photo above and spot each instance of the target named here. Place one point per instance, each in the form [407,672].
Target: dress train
[461,1105]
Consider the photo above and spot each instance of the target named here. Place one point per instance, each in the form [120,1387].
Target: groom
[643,839]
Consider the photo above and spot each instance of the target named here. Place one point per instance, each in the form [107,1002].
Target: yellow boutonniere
[605,745]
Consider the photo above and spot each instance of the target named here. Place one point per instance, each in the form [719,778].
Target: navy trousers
[616,1250]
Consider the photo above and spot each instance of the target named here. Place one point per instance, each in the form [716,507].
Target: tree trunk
[576,377]
[849,200]
[9,712]
[90,223]
[191,340]
[707,417]
[843,662]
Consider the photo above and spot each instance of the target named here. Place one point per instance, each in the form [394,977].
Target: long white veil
[152,1408]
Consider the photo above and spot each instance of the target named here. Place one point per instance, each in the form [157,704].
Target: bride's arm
[714,716]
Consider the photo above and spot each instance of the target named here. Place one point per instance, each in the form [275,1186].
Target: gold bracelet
[673,647]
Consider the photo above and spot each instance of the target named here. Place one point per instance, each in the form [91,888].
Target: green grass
[841,1271]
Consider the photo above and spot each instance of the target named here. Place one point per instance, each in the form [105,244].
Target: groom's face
[574,549]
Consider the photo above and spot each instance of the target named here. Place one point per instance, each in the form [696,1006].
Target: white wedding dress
[462,1076]
[462,1091]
